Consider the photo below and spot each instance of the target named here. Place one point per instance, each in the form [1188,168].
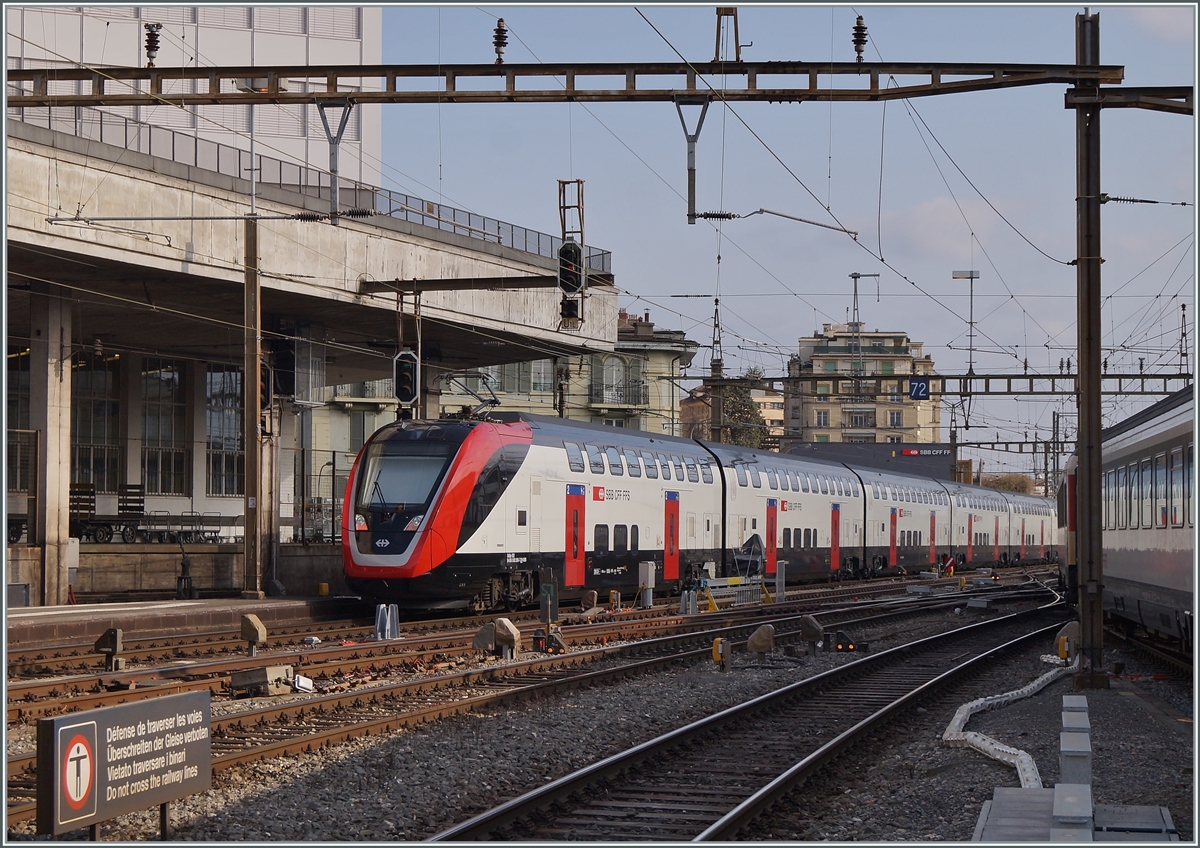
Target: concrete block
[1072,803]
[1076,722]
[269,680]
[1075,757]
[918,590]
[762,640]
[485,638]
[1075,704]
[507,633]
[1068,833]
[253,630]
[978,603]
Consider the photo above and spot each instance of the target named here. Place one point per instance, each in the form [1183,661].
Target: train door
[970,537]
[708,532]
[574,551]
[892,558]
[932,537]
[769,534]
[1022,540]
[535,514]
[835,546]
[670,535]
[1042,541]
[996,543]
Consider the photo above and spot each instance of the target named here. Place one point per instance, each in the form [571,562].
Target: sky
[982,181]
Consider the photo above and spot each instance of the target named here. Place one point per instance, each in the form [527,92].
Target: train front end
[403,511]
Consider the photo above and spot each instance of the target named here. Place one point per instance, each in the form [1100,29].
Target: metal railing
[631,394]
[187,149]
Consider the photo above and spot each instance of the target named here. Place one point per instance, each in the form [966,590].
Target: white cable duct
[956,737]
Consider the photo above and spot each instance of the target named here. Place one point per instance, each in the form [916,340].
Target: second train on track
[474,514]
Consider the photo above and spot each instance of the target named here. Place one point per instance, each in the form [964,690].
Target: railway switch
[110,645]
[254,632]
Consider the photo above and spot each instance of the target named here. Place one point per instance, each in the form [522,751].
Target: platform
[33,626]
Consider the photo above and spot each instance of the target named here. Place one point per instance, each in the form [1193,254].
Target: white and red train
[467,514]
[1148,535]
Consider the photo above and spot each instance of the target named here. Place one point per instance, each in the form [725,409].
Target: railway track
[707,780]
[314,722]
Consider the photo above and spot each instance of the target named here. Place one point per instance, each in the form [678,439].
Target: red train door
[932,537]
[835,542]
[772,507]
[996,543]
[892,540]
[671,536]
[1022,539]
[1042,541]
[576,534]
[970,537]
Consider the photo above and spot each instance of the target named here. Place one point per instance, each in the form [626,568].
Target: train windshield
[399,475]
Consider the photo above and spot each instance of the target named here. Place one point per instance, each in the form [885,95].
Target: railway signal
[406,374]
[570,267]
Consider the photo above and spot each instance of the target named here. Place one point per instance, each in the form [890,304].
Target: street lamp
[972,276]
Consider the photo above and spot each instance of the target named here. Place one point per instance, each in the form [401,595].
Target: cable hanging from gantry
[729,216]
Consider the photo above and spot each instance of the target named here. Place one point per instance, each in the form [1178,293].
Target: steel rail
[487,824]
[21,768]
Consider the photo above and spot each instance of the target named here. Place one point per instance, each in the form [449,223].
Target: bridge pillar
[50,415]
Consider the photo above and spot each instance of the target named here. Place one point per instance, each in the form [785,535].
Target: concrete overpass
[168,279]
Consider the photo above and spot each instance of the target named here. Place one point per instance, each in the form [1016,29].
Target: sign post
[96,765]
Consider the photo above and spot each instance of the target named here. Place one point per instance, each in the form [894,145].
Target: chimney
[647,315]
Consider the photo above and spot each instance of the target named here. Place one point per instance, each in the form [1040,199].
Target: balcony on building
[619,394]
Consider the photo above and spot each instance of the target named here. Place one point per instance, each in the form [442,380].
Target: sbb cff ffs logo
[406,377]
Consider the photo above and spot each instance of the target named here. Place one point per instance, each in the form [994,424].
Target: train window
[706,471]
[1160,490]
[620,539]
[678,467]
[614,462]
[1106,495]
[1187,485]
[771,480]
[1132,494]
[755,478]
[693,471]
[783,481]
[854,488]
[633,539]
[803,478]
[595,458]
[787,537]
[601,539]
[743,480]
[574,456]
[1147,494]
[635,465]
[824,483]
[841,486]
[875,489]
[807,538]
[651,465]
[794,480]
[666,467]
[522,518]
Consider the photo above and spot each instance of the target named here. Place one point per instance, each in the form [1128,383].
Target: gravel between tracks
[903,786]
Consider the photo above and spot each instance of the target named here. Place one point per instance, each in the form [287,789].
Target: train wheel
[14,533]
[103,533]
[129,534]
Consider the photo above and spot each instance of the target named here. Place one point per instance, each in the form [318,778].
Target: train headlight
[360,522]
[414,523]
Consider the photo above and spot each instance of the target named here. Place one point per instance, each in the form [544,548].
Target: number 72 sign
[918,388]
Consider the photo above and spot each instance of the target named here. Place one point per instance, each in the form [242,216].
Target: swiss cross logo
[597,493]
[783,506]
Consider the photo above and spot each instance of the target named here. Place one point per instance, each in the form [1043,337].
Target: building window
[223,417]
[19,454]
[822,417]
[358,429]
[95,422]
[887,367]
[830,366]
[823,388]
[895,440]
[862,419]
[896,418]
[165,454]
[822,437]
[542,378]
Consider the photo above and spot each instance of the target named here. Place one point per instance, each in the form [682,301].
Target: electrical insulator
[500,40]
[860,37]
[358,213]
[151,43]
[718,216]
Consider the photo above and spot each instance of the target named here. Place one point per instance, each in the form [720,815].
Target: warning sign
[97,765]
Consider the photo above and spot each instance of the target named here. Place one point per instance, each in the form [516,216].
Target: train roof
[1182,397]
